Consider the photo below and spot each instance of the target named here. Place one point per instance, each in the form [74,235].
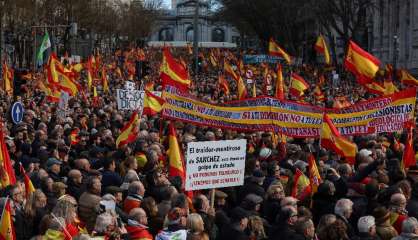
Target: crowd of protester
[93,190]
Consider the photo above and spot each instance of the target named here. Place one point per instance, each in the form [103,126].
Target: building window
[166,34]
[218,35]
[189,34]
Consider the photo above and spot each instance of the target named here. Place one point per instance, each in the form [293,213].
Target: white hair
[343,206]
[102,222]
[409,225]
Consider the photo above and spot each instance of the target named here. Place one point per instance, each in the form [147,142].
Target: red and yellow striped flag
[301,185]
[321,47]
[105,81]
[74,138]
[7,173]
[175,155]
[406,78]
[7,231]
[298,85]
[332,139]
[242,90]
[29,188]
[223,84]
[174,73]
[375,88]
[314,176]
[7,79]
[279,83]
[361,63]
[152,104]
[320,97]
[129,131]
[408,158]
[276,50]
[230,71]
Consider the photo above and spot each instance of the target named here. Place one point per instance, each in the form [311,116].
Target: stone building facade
[176,24]
[393,33]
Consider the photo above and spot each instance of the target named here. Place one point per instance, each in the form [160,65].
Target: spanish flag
[390,88]
[298,85]
[223,84]
[152,104]
[174,73]
[361,63]
[254,90]
[314,176]
[95,100]
[53,65]
[149,86]
[279,83]
[321,47]
[74,138]
[105,81]
[242,90]
[408,158]
[301,185]
[90,72]
[29,188]
[213,59]
[7,231]
[7,79]
[230,71]
[332,139]
[7,172]
[375,88]
[276,50]
[66,84]
[175,155]
[129,131]
[320,97]
[406,78]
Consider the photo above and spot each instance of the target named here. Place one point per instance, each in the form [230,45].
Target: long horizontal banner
[385,114]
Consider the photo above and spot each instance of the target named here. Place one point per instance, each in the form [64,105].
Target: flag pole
[320,136]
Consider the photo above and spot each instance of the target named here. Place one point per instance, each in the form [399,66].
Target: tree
[290,22]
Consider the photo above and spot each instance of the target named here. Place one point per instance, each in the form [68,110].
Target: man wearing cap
[366,226]
[236,229]
[54,169]
[221,218]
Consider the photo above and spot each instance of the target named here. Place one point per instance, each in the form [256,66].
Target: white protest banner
[131,99]
[215,164]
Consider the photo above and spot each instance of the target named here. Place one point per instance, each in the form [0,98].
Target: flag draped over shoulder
[408,158]
[7,79]
[276,50]
[7,231]
[361,63]
[152,104]
[298,85]
[321,47]
[279,83]
[129,131]
[332,139]
[175,155]
[174,73]
[406,78]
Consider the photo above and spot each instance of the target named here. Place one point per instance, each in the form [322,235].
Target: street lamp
[395,55]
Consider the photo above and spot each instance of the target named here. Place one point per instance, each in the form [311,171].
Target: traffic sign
[17,112]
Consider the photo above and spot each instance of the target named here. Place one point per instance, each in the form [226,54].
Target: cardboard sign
[215,164]
[131,99]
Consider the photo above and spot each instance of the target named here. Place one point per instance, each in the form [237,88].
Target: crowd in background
[93,190]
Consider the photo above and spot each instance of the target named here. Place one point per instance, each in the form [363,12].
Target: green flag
[46,43]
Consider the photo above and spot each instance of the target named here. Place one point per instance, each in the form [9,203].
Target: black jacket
[229,232]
